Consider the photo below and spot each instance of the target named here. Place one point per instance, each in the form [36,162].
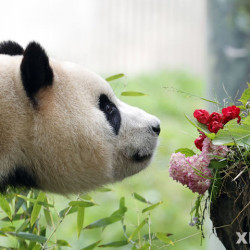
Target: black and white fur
[62,129]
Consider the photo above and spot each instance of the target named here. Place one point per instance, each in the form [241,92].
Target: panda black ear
[35,70]
[10,48]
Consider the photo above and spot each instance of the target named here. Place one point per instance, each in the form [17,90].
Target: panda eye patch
[111,112]
[110,109]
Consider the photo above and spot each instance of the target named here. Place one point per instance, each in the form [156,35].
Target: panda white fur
[62,129]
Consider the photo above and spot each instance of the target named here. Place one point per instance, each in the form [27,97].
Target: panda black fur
[62,129]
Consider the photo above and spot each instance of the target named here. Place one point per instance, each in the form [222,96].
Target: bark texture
[230,213]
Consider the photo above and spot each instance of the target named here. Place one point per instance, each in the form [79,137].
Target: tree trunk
[230,213]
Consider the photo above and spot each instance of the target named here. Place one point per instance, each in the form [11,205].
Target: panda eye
[111,112]
[109,109]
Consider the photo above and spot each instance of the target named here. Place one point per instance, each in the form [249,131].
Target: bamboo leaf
[37,207]
[80,219]
[146,246]
[37,247]
[115,244]
[137,229]
[82,203]
[7,229]
[23,227]
[70,211]
[19,202]
[132,93]
[45,204]
[114,77]
[62,243]
[120,212]
[151,207]
[103,189]
[104,222]
[122,202]
[47,216]
[92,246]
[30,237]
[140,198]
[164,238]
[5,206]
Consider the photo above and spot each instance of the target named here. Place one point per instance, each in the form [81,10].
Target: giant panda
[62,129]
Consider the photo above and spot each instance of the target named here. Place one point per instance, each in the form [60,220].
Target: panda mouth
[141,158]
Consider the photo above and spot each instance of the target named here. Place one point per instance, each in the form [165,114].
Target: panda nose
[156,129]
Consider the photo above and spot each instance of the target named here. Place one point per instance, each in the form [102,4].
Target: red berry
[214,126]
[230,113]
[201,115]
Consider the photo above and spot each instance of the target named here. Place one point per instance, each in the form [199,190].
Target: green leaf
[215,187]
[7,229]
[132,93]
[146,246]
[19,202]
[47,216]
[37,247]
[196,207]
[86,197]
[214,164]
[70,211]
[151,236]
[15,218]
[137,229]
[103,189]
[82,203]
[104,222]
[45,204]
[120,212]
[62,243]
[92,246]
[234,133]
[24,226]
[140,198]
[115,244]
[151,207]
[5,206]
[37,207]
[122,202]
[31,245]
[114,77]
[80,219]
[245,96]
[164,238]
[29,236]
[186,151]
[201,127]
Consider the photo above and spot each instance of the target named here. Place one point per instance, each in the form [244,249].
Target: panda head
[62,129]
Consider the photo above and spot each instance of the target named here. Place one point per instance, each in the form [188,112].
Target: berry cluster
[215,121]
